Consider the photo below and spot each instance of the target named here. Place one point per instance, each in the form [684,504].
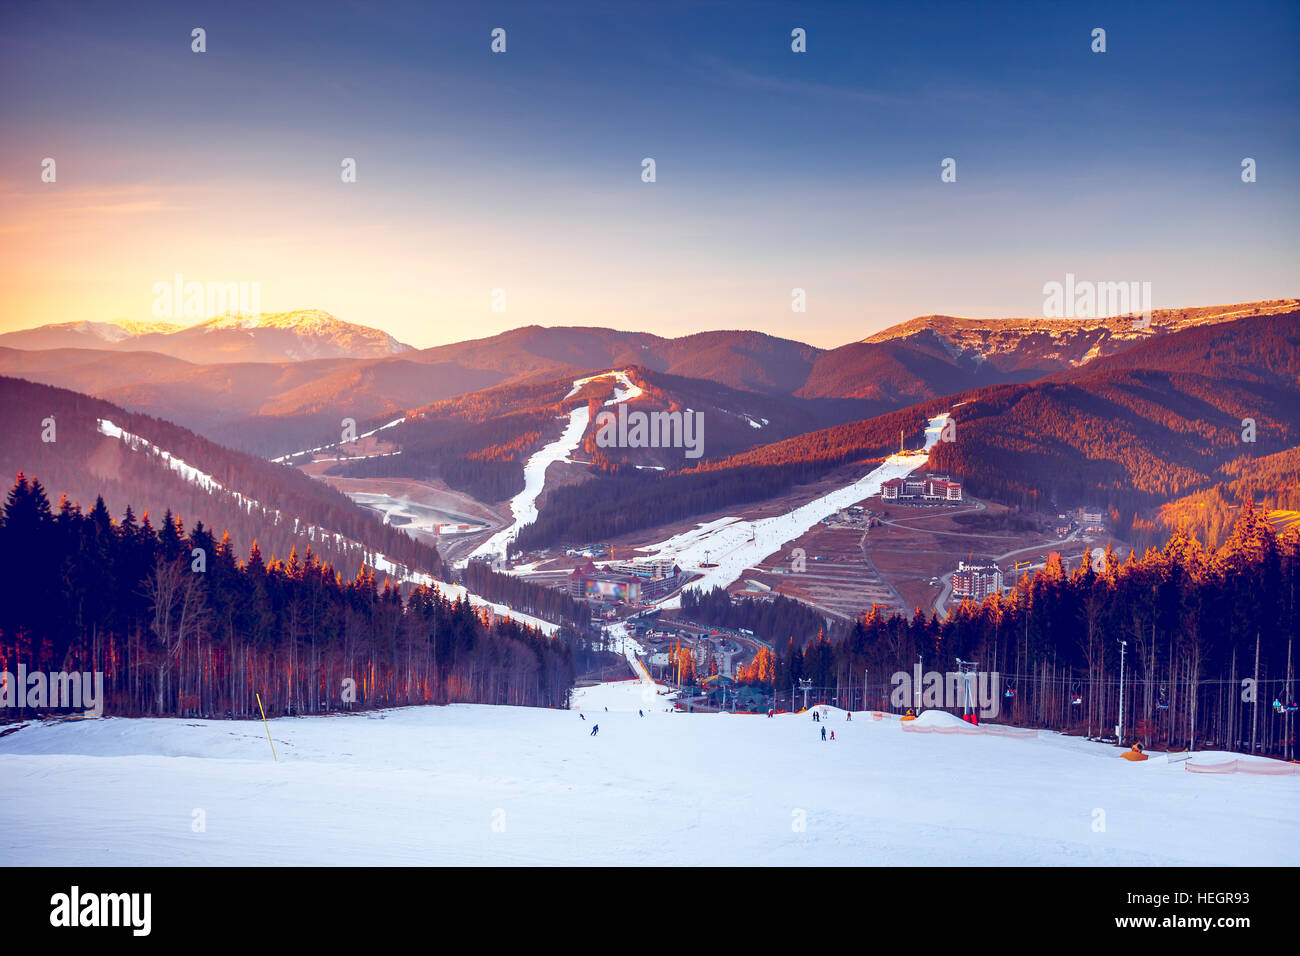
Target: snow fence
[990,730]
[1267,768]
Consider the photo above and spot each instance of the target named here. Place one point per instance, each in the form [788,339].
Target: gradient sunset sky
[522,170]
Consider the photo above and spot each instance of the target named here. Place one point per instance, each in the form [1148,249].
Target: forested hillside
[1272,483]
[1194,618]
[476,443]
[777,619]
[1139,428]
[625,499]
[86,592]
[248,496]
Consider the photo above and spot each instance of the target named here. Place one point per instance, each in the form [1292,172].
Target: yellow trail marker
[267,726]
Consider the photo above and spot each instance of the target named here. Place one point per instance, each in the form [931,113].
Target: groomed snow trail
[727,542]
[523,506]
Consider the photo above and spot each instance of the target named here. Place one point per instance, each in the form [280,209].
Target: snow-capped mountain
[272,337]
[84,335]
[269,337]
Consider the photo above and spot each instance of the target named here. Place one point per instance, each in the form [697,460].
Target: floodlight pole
[920,667]
[1119,727]
[967,669]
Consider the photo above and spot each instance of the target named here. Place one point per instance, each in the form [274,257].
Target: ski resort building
[928,488]
[976,581]
[650,569]
[1092,520]
[633,583]
[591,584]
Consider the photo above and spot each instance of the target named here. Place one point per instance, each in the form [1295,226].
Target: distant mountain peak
[1163,319]
[268,337]
[1041,343]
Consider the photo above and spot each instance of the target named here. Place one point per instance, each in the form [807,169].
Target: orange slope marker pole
[267,726]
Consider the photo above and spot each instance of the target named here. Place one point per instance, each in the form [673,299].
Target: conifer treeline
[777,619]
[1196,622]
[87,593]
[550,604]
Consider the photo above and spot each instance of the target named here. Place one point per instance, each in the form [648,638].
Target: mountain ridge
[298,335]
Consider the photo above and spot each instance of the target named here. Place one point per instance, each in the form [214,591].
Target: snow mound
[938,718]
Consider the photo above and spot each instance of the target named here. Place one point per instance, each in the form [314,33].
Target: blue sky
[521,171]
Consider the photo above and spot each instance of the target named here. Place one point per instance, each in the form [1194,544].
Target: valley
[795,499]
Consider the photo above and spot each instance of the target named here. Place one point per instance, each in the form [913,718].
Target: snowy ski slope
[729,546]
[472,784]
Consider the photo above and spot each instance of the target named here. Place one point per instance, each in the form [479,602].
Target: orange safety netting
[1260,767]
[1001,730]
[996,730]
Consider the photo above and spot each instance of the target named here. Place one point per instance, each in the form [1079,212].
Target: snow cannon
[1134,754]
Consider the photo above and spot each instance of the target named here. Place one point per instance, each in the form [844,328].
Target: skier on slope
[832,734]
[640,713]
[823,733]
[595,729]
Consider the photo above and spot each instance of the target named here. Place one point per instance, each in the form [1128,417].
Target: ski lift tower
[968,670]
[805,685]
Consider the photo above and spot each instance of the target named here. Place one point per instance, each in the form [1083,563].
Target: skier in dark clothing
[595,729]
[640,713]
[823,733]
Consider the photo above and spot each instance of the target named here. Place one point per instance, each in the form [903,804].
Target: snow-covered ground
[523,506]
[733,544]
[374,431]
[507,785]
